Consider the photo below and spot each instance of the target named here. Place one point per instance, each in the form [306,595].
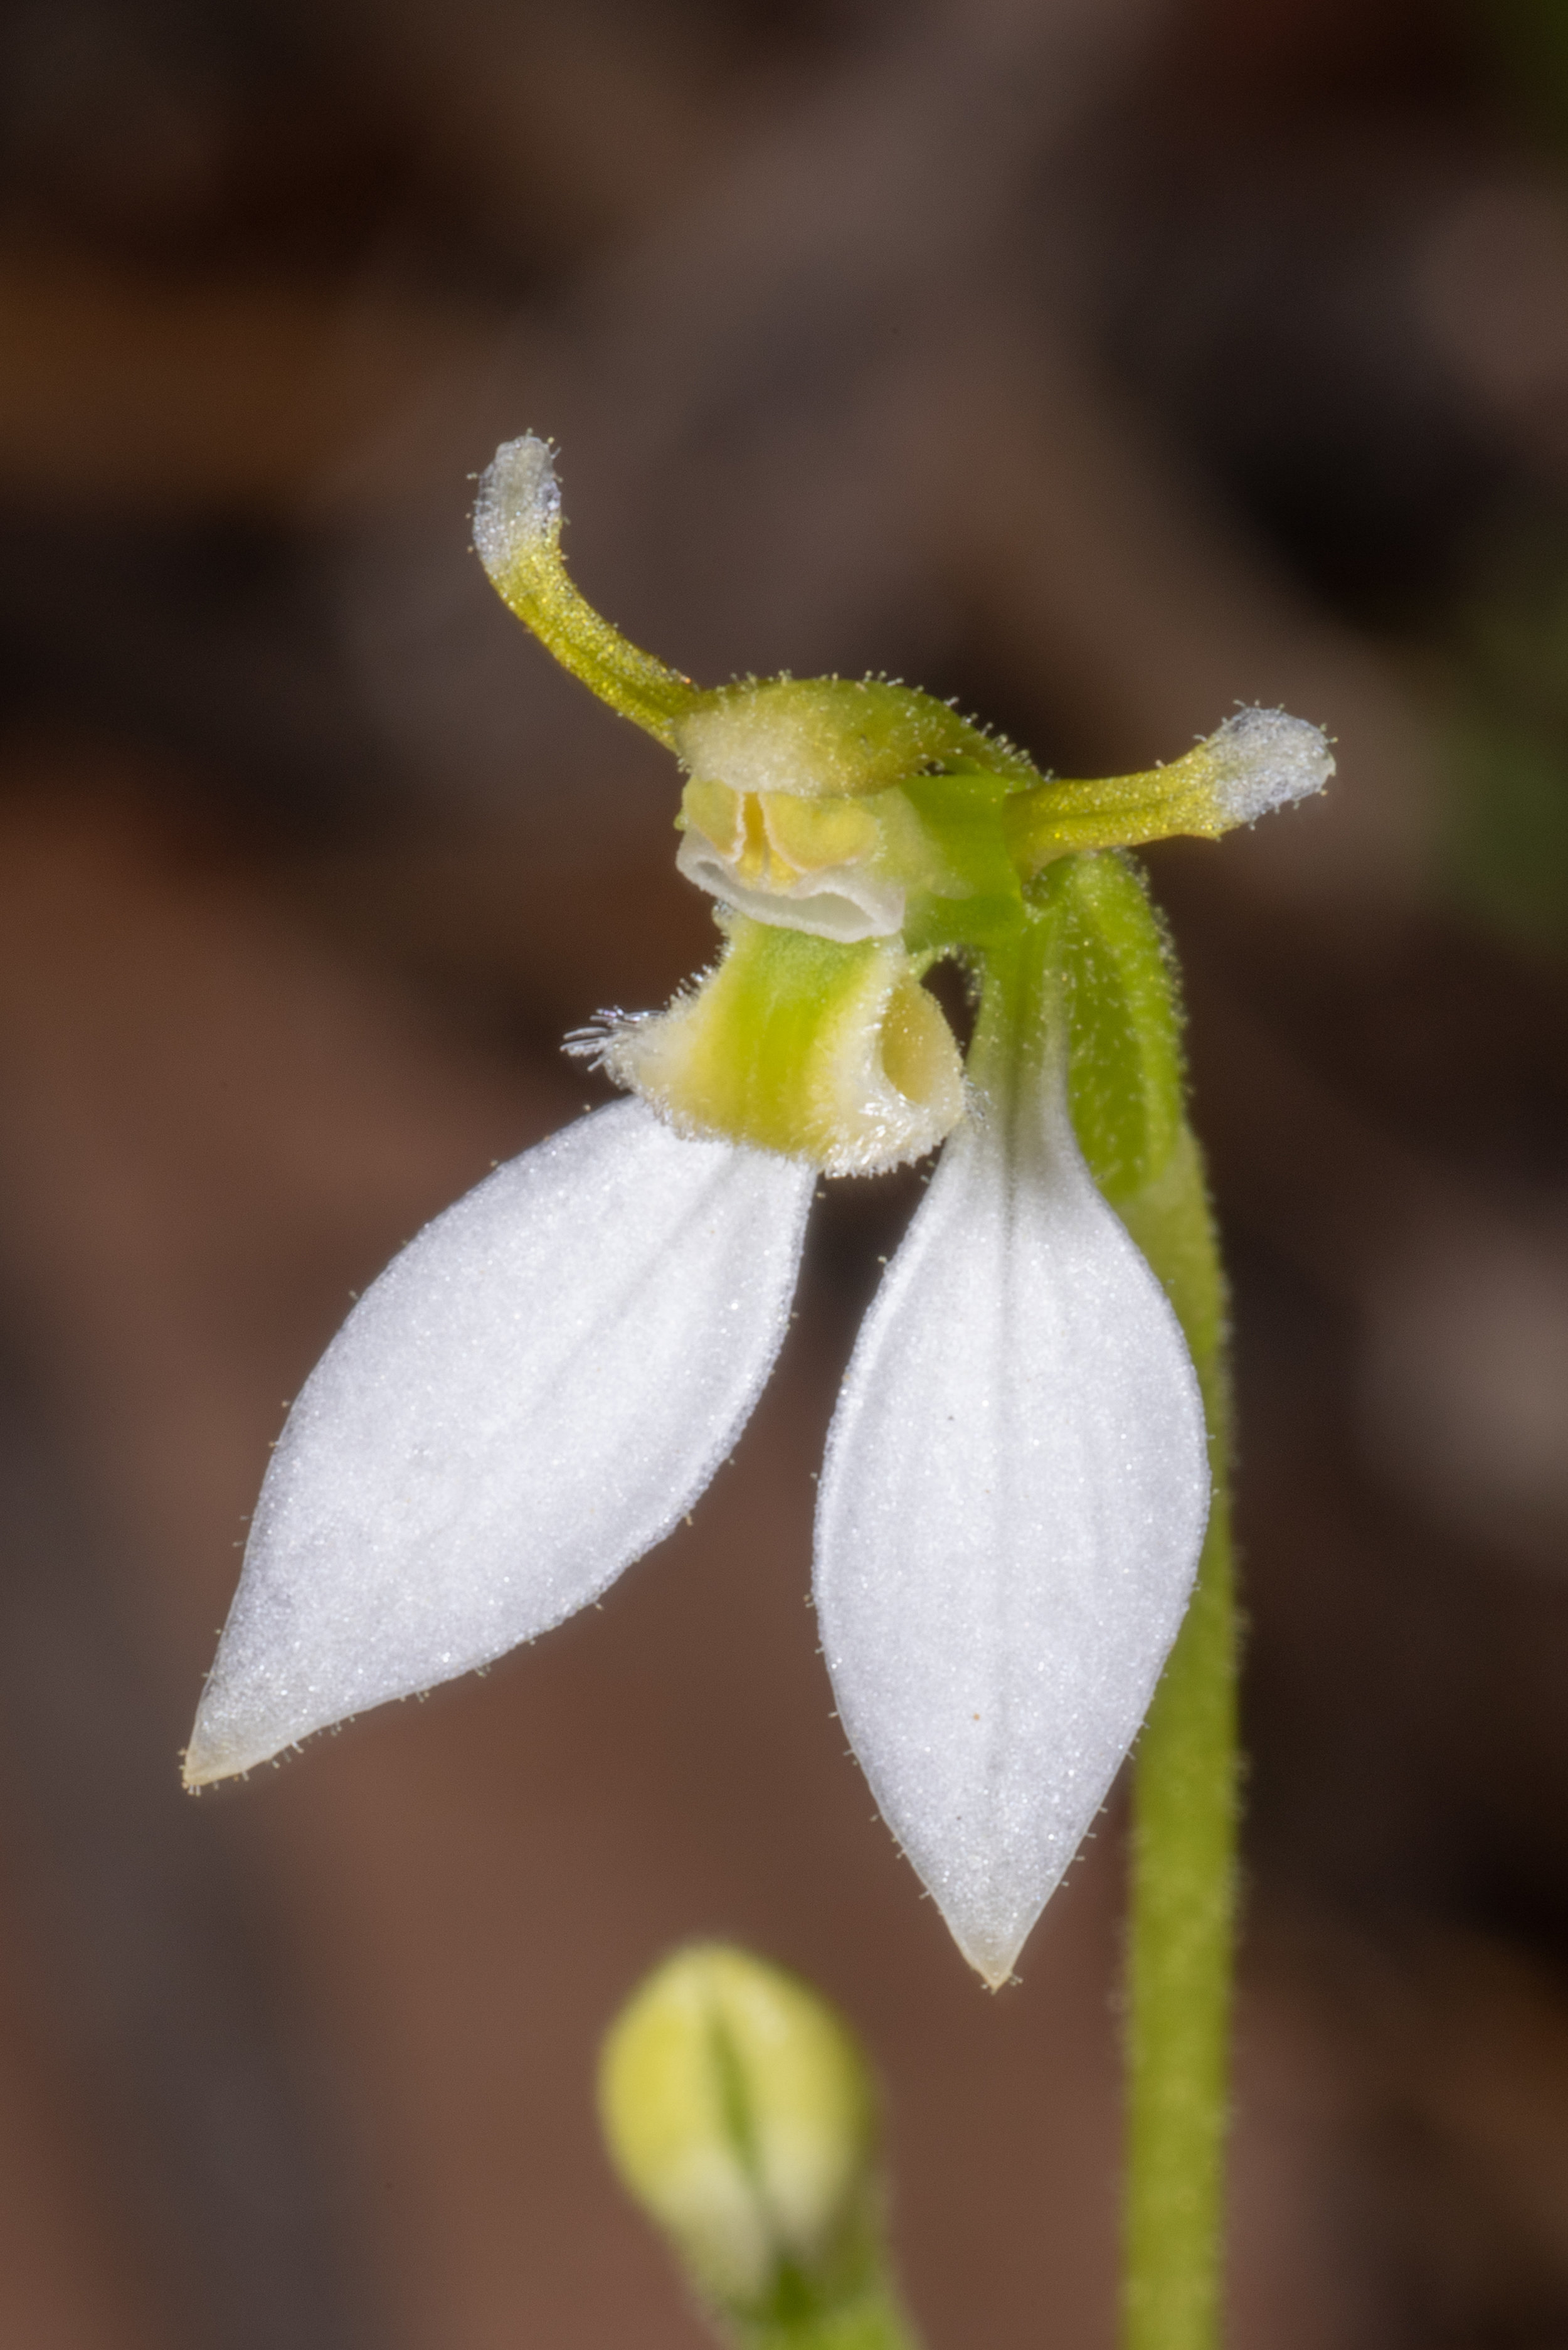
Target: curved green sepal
[1258,760]
[517,534]
[1124,1020]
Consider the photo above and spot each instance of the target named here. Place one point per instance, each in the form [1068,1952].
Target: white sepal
[526,1401]
[1012,1509]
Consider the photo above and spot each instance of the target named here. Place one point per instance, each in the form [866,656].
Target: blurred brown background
[1102,363]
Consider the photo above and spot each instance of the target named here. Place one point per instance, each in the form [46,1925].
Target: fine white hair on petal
[519,500]
[526,1401]
[1264,759]
[1011,1513]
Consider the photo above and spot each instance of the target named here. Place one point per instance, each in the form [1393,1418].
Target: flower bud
[739,2114]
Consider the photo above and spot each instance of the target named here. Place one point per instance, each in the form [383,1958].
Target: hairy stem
[1119,987]
[873,2322]
[1183,1875]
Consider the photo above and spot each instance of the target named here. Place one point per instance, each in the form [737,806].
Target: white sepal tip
[1265,759]
[518,507]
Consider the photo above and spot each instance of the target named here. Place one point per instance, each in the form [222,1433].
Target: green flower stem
[1094,950]
[1183,1910]
[875,2321]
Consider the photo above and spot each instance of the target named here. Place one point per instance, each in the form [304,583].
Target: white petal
[1012,1509]
[527,1400]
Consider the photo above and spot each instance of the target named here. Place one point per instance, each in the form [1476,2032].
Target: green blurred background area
[1102,364]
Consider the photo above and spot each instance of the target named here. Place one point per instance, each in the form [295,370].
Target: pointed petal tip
[994,1973]
[199,1769]
[992,1948]
[213,1755]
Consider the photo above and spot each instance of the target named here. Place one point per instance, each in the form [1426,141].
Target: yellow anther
[713,810]
[811,836]
[751,862]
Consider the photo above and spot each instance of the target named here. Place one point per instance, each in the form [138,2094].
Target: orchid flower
[540,1387]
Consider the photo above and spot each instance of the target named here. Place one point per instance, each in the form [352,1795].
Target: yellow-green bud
[739,2114]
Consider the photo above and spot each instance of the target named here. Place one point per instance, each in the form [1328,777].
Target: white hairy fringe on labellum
[1264,759]
[526,1401]
[1012,1508]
